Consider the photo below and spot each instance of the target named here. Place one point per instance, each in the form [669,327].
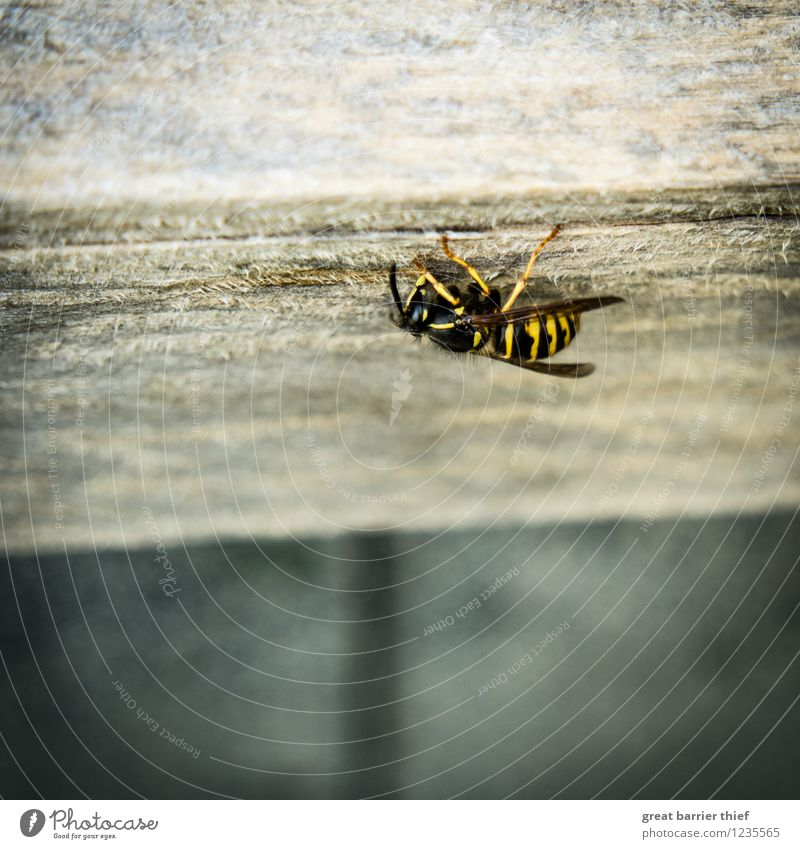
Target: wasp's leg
[524,279]
[438,287]
[420,281]
[464,264]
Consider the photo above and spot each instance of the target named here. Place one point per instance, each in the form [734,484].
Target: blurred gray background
[316,669]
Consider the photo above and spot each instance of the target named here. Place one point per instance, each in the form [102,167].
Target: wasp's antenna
[395,293]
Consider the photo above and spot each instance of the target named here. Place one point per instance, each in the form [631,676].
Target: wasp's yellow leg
[521,283]
[464,264]
[440,289]
[420,280]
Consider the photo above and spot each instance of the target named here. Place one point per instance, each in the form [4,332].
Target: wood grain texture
[247,389]
[198,114]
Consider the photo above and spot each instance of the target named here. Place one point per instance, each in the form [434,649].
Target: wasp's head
[419,309]
[416,313]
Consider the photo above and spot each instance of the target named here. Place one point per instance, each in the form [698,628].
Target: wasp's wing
[572,370]
[577,305]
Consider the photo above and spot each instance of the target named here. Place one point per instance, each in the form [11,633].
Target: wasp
[480,322]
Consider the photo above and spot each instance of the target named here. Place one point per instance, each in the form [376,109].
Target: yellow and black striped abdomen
[539,337]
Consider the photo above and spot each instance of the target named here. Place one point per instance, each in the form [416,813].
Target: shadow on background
[617,662]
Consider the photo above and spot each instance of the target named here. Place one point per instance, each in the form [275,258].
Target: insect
[480,322]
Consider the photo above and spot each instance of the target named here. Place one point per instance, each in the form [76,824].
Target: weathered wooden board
[200,205]
[248,388]
[269,117]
